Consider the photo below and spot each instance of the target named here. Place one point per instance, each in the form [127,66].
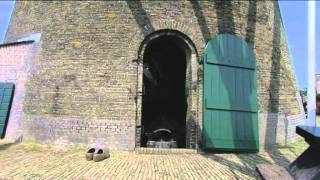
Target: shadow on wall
[273,107]
[225,17]
[201,20]
[274,86]
[251,23]
[144,23]
[141,17]
[270,136]
[205,31]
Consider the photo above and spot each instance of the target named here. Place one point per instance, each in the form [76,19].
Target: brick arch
[191,84]
[192,35]
[163,32]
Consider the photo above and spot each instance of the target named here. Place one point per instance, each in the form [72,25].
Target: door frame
[192,87]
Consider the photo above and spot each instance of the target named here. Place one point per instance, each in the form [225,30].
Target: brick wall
[278,129]
[16,66]
[87,69]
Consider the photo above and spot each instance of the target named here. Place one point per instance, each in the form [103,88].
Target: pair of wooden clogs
[97,154]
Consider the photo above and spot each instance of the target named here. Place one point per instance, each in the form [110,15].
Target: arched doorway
[164,97]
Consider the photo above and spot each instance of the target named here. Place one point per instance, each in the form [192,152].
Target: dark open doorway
[164,104]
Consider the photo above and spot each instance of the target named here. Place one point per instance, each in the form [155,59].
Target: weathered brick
[84,70]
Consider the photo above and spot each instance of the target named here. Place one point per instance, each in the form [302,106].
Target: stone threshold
[164,151]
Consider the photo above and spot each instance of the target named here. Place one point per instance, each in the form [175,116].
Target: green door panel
[6,95]
[234,93]
[230,95]
[229,50]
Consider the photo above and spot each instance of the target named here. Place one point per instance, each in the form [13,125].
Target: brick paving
[33,161]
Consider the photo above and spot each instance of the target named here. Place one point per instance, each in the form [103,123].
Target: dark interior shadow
[164,104]
[141,16]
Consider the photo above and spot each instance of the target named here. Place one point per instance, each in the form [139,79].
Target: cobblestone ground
[33,161]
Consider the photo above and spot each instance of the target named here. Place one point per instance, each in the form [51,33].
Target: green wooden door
[6,94]
[230,95]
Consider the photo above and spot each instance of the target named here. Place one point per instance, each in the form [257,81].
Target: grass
[297,146]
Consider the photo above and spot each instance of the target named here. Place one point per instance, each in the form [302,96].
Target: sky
[6,8]
[294,16]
